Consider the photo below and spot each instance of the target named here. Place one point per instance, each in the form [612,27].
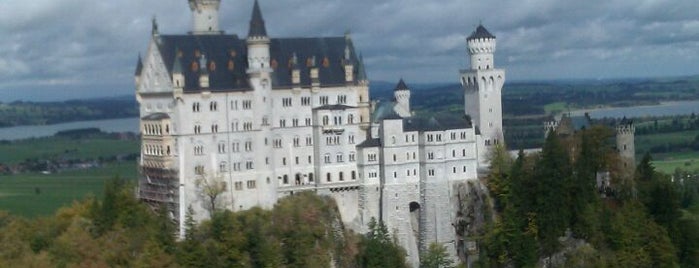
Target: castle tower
[258,43]
[482,85]
[205,16]
[625,136]
[402,98]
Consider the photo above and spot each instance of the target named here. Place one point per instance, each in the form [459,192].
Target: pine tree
[552,173]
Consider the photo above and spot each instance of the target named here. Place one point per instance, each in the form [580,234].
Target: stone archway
[415,220]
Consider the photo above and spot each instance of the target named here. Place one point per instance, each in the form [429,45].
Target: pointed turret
[361,70]
[401,86]
[257,23]
[154,27]
[203,72]
[258,44]
[139,70]
[481,33]
[139,66]
[402,98]
[177,74]
[347,60]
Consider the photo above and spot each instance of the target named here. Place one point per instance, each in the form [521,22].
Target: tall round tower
[205,16]
[482,85]
[402,97]
[625,142]
[481,47]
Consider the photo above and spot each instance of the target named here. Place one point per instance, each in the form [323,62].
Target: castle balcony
[337,130]
[297,187]
[159,162]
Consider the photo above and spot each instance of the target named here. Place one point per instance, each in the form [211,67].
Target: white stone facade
[483,91]
[273,117]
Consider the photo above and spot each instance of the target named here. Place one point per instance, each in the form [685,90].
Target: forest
[117,230]
[550,209]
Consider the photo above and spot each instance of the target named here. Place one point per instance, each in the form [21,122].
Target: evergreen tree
[582,189]
[378,249]
[436,257]
[552,173]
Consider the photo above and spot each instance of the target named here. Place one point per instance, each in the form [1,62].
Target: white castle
[263,118]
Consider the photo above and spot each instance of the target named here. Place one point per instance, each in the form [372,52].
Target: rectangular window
[247,105]
[252,184]
[286,102]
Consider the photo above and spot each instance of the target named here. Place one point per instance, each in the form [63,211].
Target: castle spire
[257,24]
[361,70]
[401,85]
[154,26]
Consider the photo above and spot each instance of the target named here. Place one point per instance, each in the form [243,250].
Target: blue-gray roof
[226,57]
[401,85]
[368,143]
[481,33]
[434,124]
[257,24]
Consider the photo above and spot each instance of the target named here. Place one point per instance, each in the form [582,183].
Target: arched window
[286,179]
[342,177]
[326,120]
[328,177]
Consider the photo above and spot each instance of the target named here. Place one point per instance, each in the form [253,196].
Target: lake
[109,125]
[664,109]
[131,124]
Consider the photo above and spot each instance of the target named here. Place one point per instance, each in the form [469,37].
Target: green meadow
[36,194]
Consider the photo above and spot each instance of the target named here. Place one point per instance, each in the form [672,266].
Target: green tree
[377,249]
[436,257]
[552,174]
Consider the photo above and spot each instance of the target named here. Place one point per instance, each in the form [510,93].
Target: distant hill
[530,98]
[45,113]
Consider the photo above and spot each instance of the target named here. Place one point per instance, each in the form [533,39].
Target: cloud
[94,44]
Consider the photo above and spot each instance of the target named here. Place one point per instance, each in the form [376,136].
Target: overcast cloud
[89,48]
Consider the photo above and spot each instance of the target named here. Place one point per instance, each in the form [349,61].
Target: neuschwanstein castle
[265,118]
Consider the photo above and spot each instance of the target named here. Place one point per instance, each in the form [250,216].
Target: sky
[60,49]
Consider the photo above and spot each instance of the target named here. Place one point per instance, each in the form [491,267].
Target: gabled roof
[226,57]
[257,24]
[434,124]
[481,33]
[401,85]
[368,143]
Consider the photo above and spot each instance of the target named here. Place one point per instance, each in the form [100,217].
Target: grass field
[47,148]
[668,163]
[645,142]
[556,107]
[33,195]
